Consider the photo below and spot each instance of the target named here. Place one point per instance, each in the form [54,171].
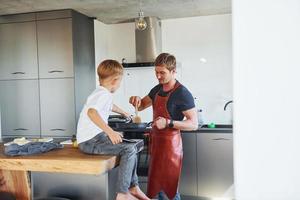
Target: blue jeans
[101,144]
[162,196]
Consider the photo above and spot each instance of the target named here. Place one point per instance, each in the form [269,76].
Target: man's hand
[115,137]
[160,122]
[135,101]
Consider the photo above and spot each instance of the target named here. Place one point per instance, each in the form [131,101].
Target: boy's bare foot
[138,193]
[125,196]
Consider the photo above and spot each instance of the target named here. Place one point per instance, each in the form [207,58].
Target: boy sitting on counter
[94,136]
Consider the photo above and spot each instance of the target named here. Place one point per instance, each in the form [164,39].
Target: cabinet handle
[18,73]
[220,139]
[57,129]
[55,71]
[21,129]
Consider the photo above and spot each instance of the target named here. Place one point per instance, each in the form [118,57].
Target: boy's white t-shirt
[101,100]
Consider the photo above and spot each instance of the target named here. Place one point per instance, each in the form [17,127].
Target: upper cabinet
[18,51]
[55,48]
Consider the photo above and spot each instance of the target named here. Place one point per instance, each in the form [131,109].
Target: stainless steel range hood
[147,43]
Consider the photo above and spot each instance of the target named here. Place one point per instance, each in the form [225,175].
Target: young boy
[94,136]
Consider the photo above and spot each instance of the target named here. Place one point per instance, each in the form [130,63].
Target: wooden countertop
[66,160]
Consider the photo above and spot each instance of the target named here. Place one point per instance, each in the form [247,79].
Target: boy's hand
[135,101]
[115,137]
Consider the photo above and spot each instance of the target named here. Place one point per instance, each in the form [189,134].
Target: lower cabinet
[19,102]
[188,179]
[34,108]
[57,107]
[214,164]
[207,165]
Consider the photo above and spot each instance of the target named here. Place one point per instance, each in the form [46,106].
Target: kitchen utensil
[136,118]
[139,126]
[118,119]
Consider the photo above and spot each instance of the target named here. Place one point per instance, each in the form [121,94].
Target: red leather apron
[166,153]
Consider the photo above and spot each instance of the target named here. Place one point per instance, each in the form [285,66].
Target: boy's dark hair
[167,60]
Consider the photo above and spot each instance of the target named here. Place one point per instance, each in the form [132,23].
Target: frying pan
[143,125]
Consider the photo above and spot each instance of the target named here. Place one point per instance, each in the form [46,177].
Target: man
[173,110]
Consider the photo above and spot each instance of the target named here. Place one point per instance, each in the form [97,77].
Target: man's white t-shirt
[102,101]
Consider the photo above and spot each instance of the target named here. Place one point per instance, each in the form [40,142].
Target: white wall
[267,101]
[114,42]
[101,44]
[193,39]
[121,42]
[117,41]
[189,39]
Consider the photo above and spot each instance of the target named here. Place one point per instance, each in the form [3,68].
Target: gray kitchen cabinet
[55,48]
[19,102]
[188,179]
[57,107]
[59,51]
[25,17]
[66,49]
[214,164]
[18,51]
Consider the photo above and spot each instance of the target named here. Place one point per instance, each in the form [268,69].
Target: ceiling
[117,11]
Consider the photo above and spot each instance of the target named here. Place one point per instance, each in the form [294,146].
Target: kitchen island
[64,172]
